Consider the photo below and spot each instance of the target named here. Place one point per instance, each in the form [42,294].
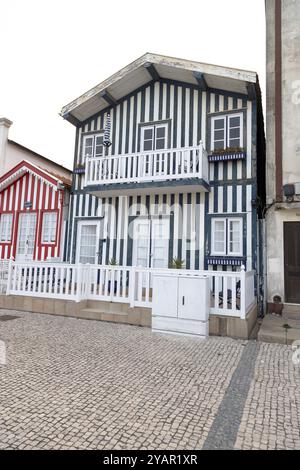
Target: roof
[39,155]
[151,67]
[24,167]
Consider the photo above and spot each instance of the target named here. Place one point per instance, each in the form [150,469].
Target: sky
[53,51]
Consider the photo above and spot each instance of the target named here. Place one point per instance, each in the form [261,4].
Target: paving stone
[79,384]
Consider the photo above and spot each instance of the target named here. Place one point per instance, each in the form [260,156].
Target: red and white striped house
[33,213]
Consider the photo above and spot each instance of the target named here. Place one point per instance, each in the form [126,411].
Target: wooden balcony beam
[108,97]
[152,71]
[199,76]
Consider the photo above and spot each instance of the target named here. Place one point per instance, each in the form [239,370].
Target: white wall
[11,154]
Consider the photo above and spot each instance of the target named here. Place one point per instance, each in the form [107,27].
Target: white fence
[155,165]
[232,293]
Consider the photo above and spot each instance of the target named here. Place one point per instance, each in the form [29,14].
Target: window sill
[225,156]
[215,260]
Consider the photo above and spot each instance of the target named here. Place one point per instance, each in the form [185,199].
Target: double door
[151,243]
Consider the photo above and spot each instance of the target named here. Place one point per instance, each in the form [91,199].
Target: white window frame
[154,127]
[226,243]
[92,136]
[214,119]
[240,220]
[81,223]
[47,242]
[235,115]
[226,118]
[213,231]
[8,228]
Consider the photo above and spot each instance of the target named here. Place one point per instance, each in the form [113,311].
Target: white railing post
[9,273]
[243,292]
[132,274]
[79,282]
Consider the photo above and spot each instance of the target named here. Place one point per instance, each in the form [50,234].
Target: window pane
[148,134]
[234,122]
[234,133]
[234,236]
[160,144]
[219,124]
[219,145]
[218,226]
[5,228]
[234,142]
[160,132]
[219,135]
[148,145]
[49,227]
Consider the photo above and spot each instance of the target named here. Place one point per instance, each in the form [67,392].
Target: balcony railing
[158,165]
[231,293]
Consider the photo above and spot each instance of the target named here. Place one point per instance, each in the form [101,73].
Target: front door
[151,243]
[292,261]
[26,236]
[88,242]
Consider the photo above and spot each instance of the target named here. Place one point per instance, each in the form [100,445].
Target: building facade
[283,151]
[34,198]
[181,181]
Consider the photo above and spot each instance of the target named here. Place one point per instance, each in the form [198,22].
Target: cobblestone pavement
[79,384]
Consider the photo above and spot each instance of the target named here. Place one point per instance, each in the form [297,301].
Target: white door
[26,237]
[159,243]
[141,243]
[151,243]
[88,242]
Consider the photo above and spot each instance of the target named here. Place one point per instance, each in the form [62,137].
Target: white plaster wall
[15,155]
[270,101]
[275,258]
[291,133]
[291,90]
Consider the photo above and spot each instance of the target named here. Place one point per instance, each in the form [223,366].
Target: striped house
[32,213]
[183,179]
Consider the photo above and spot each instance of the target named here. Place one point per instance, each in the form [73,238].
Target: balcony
[160,171]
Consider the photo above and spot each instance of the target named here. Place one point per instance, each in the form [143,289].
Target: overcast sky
[53,51]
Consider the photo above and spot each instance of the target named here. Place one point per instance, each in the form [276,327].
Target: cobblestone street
[79,384]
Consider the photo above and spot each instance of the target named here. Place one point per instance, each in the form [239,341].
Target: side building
[34,198]
[283,153]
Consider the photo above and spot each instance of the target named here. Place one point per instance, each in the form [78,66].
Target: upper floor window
[227,131]
[227,236]
[5,227]
[93,145]
[49,227]
[154,137]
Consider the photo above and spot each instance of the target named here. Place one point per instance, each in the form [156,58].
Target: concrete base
[272,330]
[88,309]
[232,326]
[121,313]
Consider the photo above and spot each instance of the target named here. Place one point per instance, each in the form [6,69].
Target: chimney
[4,127]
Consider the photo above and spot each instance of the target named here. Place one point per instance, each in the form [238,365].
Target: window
[93,145]
[154,137]
[5,227]
[49,227]
[227,131]
[227,237]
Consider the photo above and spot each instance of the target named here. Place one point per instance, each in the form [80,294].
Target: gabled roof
[47,160]
[27,167]
[151,67]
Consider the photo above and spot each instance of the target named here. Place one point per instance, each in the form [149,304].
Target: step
[96,314]
[272,331]
[291,309]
